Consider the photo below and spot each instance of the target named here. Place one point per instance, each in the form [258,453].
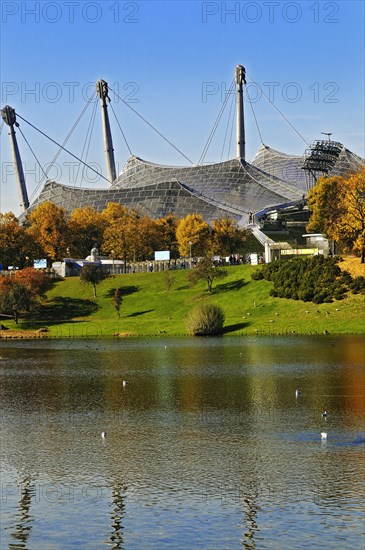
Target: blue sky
[173,62]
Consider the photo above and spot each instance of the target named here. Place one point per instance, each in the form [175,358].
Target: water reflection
[207,444]
[117,515]
[22,525]
[250,514]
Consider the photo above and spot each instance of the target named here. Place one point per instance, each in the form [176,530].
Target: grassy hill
[157,304]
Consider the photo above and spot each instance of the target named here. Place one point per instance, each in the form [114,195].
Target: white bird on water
[103,435]
[324,414]
[324,435]
[298,393]
[125,383]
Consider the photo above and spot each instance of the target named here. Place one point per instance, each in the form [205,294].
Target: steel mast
[240,131]
[9,117]
[102,91]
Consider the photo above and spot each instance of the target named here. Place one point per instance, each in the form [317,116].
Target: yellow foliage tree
[193,229]
[227,238]
[16,246]
[120,232]
[338,210]
[48,227]
[166,228]
[86,227]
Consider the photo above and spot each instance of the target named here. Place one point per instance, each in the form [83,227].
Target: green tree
[15,298]
[205,269]
[93,275]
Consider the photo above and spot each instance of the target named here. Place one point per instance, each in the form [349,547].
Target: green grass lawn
[150,308]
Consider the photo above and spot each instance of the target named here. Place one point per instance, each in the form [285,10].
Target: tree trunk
[94,290]
[363,255]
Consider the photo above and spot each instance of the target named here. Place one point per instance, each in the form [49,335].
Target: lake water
[207,446]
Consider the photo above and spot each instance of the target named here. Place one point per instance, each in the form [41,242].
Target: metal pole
[102,90]
[241,144]
[9,117]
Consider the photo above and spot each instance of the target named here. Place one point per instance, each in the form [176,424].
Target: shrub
[318,279]
[205,320]
[358,285]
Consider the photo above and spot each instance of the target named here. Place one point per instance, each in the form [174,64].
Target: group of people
[234,259]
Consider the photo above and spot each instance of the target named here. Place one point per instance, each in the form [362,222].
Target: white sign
[254,259]
[40,264]
[162,255]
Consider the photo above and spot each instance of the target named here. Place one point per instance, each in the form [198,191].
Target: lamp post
[190,243]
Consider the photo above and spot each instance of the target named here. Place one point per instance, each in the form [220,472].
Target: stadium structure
[245,191]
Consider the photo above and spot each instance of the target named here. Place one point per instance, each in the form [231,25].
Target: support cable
[254,116]
[87,141]
[215,125]
[121,130]
[70,132]
[31,150]
[232,129]
[227,127]
[151,126]
[67,151]
[278,110]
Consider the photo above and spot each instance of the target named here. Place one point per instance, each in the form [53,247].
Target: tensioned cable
[282,114]
[215,125]
[33,153]
[87,141]
[71,132]
[67,151]
[232,128]
[153,128]
[254,116]
[227,127]
[121,130]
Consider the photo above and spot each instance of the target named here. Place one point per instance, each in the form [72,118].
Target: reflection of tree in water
[23,527]
[117,514]
[250,513]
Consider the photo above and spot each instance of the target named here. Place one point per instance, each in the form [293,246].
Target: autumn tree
[205,269]
[120,235]
[22,291]
[49,228]
[325,200]
[17,248]
[192,229]
[338,210]
[86,227]
[93,275]
[146,238]
[166,228]
[117,300]
[36,281]
[227,238]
